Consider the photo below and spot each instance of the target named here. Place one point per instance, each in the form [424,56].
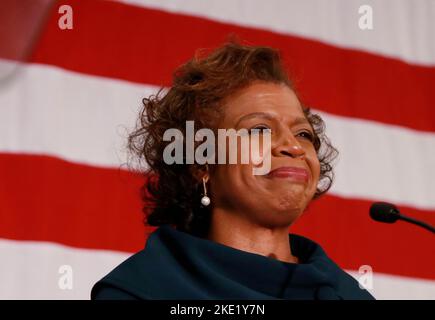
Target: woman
[223,231]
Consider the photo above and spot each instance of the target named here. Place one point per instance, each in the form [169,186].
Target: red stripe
[48,199]
[120,41]
[349,236]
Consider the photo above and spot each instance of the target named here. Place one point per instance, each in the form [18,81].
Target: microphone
[388,213]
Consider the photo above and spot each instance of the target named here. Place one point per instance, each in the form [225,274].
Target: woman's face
[278,198]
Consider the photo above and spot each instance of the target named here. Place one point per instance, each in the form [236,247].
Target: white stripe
[382,162]
[79,118]
[402,29]
[389,287]
[47,110]
[30,270]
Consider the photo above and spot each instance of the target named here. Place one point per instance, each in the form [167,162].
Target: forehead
[273,98]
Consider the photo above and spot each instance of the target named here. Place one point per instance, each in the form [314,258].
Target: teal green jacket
[177,265]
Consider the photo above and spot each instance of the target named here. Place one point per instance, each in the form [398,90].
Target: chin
[292,199]
[282,219]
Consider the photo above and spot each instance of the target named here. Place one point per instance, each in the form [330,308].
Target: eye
[259,129]
[306,135]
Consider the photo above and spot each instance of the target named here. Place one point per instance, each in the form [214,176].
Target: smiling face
[278,198]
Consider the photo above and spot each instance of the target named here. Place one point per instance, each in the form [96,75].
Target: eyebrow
[265,115]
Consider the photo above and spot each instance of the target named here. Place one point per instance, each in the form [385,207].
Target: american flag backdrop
[69,204]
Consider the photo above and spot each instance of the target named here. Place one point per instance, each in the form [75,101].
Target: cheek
[228,180]
[232,188]
[235,184]
[314,164]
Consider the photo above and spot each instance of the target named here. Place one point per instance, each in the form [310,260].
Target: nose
[288,146]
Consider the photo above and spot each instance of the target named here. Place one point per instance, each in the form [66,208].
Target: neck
[234,230]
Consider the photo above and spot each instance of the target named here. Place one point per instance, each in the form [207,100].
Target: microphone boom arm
[417,222]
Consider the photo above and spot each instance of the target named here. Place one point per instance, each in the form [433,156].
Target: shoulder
[123,281]
[144,275]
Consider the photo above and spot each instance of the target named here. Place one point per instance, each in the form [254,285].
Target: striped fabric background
[69,97]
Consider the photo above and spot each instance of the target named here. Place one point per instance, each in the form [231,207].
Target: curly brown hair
[172,193]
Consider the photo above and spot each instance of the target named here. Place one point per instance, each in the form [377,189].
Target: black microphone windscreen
[384,212]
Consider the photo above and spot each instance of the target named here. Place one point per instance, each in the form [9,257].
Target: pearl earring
[205,201]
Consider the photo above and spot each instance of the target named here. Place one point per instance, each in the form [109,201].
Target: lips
[295,173]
